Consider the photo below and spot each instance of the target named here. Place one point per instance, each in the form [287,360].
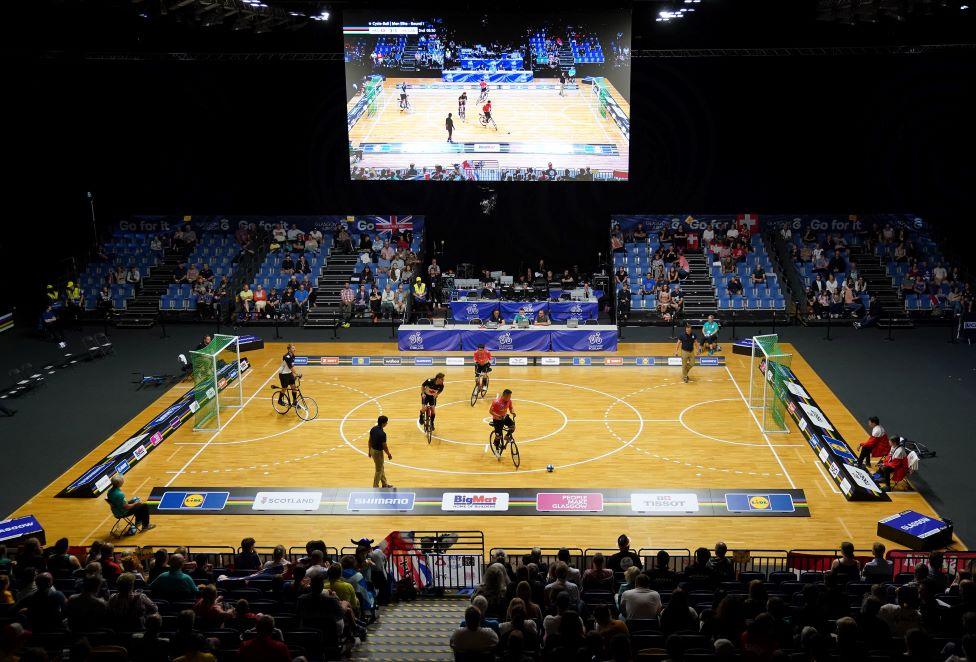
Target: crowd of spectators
[618,609]
[157,605]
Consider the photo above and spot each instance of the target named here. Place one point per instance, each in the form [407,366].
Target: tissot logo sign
[474,501]
[664,502]
[287,501]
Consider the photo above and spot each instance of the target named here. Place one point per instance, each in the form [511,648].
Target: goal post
[371,92]
[213,392]
[767,392]
[598,95]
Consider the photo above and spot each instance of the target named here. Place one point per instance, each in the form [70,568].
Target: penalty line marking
[222,427]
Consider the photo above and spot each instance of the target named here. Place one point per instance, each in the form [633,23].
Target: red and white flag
[748,224]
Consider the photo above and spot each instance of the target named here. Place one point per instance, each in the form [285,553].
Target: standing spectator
[377,449]
[346,299]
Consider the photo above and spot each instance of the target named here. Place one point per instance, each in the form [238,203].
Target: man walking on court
[686,345]
[377,449]
[449,125]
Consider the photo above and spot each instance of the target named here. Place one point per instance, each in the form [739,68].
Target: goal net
[598,96]
[767,392]
[371,92]
[216,381]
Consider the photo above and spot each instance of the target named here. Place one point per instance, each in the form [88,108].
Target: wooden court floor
[602,427]
[534,116]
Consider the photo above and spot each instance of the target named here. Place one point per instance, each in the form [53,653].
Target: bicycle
[483,121]
[428,423]
[480,389]
[498,441]
[305,408]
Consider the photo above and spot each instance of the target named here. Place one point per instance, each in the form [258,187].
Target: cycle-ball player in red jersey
[502,411]
[482,363]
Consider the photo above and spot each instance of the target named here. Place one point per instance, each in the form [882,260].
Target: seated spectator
[43,609]
[359,302]
[366,276]
[288,265]
[845,569]
[148,646]
[735,286]
[648,285]
[247,558]
[473,638]
[320,609]
[241,618]
[246,299]
[260,300]
[209,610]
[128,608]
[720,564]
[662,577]
[876,445]
[641,601]
[542,318]
[517,620]
[625,556]
[874,312]
[86,611]
[561,584]
[493,588]
[59,562]
[6,595]
[837,263]
[878,570]
[699,571]
[174,583]
[608,627]
[903,615]
[758,276]
[303,267]
[264,646]
[187,642]
[630,581]
[598,576]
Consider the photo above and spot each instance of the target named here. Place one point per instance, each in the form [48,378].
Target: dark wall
[860,133]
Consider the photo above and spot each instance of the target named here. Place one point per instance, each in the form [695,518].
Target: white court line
[223,427]
[570,420]
[833,488]
[759,425]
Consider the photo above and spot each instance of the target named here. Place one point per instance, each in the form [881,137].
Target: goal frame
[208,396]
[763,397]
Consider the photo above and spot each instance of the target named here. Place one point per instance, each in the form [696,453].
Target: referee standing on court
[377,449]
[449,125]
[686,345]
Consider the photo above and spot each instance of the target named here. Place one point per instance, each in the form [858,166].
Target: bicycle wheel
[428,427]
[280,402]
[496,449]
[484,387]
[475,393]
[306,408]
[516,459]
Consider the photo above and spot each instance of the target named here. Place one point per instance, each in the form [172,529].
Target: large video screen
[495,96]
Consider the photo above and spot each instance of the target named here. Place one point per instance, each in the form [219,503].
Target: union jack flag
[406,558]
[389,224]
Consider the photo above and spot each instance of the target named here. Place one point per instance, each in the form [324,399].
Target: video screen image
[496,96]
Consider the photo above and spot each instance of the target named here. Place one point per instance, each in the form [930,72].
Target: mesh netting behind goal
[216,382]
[766,388]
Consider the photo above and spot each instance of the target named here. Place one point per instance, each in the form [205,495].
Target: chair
[125,522]
[425,321]
[591,322]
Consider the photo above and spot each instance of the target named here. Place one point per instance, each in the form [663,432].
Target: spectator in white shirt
[785,232]
[294,233]
[133,276]
[386,302]
[708,234]
[640,601]
[831,284]
[278,234]
[473,638]
[732,233]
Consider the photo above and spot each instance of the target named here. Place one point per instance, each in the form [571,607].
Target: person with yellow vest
[53,296]
[73,295]
[420,296]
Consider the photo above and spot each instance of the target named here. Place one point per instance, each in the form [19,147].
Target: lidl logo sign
[765,503]
[759,503]
[193,500]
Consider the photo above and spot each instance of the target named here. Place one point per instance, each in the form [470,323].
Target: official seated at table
[496,317]
[520,318]
[489,291]
[542,318]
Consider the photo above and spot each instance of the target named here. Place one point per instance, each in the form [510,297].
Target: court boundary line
[222,427]
[789,478]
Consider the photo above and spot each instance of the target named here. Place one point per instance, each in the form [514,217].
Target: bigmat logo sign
[474,501]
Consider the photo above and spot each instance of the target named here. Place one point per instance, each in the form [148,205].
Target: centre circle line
[612,451]
[523,441]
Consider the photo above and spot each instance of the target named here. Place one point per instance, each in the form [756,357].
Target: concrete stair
[414,631]
[880,285]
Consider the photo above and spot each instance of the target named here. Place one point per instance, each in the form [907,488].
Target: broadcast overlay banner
[648,502]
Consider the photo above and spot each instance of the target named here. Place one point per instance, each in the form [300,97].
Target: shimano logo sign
[377,501]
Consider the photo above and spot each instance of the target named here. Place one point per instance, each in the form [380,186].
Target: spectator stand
[274,280]
[125,249]
[181,300]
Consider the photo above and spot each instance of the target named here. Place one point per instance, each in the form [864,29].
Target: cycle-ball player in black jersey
[287,375]
[429,390]
[462,106]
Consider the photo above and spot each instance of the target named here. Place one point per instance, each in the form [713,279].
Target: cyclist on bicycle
[287,376]
[482,363]
[429,390]
[502,410]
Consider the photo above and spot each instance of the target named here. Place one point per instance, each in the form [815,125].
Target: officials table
[507,338]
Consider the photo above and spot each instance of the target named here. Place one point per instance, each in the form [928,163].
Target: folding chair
[914,460]
[125,522]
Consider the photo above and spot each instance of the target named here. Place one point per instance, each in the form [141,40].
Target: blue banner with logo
[464,311]
[583,340]
[509,340]
[230,224]
[529,308]
[578,310]
[432,340]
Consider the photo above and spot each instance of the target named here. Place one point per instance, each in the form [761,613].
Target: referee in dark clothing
[686,345]
[449,125]
[377,449]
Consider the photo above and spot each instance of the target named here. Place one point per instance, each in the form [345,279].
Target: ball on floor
[550,468]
